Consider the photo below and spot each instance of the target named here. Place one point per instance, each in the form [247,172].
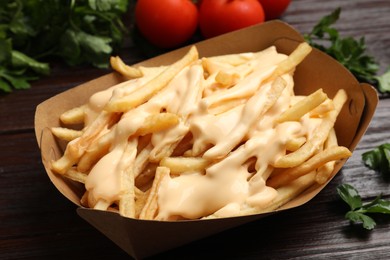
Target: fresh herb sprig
[378,158]
[77,32]
[359,210]
[350,52]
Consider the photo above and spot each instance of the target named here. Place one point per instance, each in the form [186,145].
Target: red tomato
[221,16]
[166,23]
[274,8]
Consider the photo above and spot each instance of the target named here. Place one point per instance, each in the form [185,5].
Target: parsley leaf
[358,209]
[378,158]
[384,81]
[78,32]
[350,52]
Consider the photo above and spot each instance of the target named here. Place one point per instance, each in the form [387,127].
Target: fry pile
[201,138]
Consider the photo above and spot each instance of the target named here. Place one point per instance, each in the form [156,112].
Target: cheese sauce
[242,143]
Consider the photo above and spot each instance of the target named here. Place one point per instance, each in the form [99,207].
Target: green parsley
[348,51]
[378,158]
[358,210]
[77,32]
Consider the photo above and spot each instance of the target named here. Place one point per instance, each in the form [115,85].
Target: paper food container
[142,238]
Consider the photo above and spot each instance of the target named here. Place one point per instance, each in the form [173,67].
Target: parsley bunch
[358,210]
[77,32]
[348,51]
[377,159]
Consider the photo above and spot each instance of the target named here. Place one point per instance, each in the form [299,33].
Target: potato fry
[140,200]
[304,106]
[66,134]
[294,144]
[329,154]
[179,165]
[127,197]
[95,151]
[75,175]
[292,61]
[158,122]
[76,148]
[101,205]
[127,71]
[313,144]
[325,171]
[73,116]
[249,117]
[150,209]
[152,87]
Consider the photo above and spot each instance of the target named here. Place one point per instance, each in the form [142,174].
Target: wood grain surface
[37,222]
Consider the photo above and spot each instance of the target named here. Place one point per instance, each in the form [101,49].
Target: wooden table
[37,222]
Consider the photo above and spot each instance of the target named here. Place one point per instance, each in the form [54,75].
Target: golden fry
[292,60]
[152,87]
[184,164]
[127,71]
[150,209]
[66,134]
[304,106]
[313,144]
[329,154]
[74,115]
[158,122]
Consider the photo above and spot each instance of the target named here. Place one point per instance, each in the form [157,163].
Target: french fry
[158,122]
[73,116]
[178,165]
[292,61]
[95,151]
[313,144]
[152,87]
[127,71]
[66,134]
[101,205]
[295,143]
[150,209]
[304,106]
[127,197]
[140,200]
[75,175]
[76,148]
[249,117]
[325,171]
[327,155]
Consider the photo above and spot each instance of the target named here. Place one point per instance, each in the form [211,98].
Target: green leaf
[384,81]
[4,86]
[20,60]
[380,206]
[378,158]
[17,82]
[350,195]
[358,210]
[350,52]
[5,51]
[323,25]
[357,217]
[69,48]
[96,49]
[109,5]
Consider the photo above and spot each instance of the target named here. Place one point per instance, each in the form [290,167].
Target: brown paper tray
[141,238]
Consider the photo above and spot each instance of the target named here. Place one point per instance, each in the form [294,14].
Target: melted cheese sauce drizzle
[236,179]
